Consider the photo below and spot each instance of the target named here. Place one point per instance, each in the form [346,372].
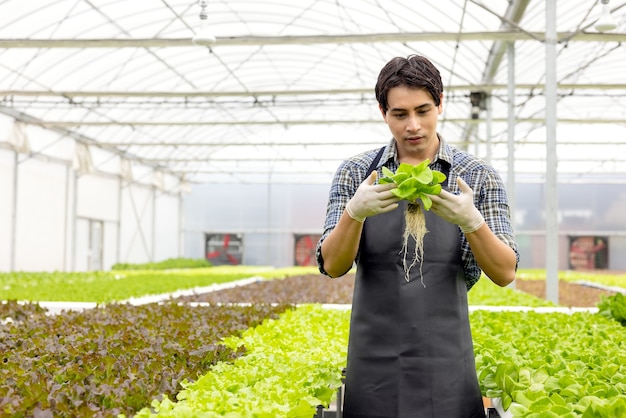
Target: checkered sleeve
[490,198]
[347,179]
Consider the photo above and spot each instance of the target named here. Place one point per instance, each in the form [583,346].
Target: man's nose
[412,123]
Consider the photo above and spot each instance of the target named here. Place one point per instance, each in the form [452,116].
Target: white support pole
[511,133]
[477,139]
[269,215]
[14,211]
[66,229]
[552,239]
[118,255]
[181,226]
[488,127]
[510,178]
[74,217]
[154,224]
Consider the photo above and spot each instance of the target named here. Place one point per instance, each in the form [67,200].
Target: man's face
[412,119]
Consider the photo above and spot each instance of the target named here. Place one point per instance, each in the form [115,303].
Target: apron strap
[375,162]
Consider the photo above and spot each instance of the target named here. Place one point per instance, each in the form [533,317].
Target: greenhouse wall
[588,211]
[270,217]
[74,208]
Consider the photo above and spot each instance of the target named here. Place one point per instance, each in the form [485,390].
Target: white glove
[458,209]
[371,199]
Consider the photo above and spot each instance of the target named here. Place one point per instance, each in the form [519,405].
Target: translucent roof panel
[286,91]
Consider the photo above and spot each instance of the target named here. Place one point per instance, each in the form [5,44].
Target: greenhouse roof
[286,90]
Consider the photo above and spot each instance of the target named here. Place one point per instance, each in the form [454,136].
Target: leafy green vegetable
[551,365]
[414,182]
[612,279]
[292,365]
[109,286]
[170,263]
[486,292]
[614,307]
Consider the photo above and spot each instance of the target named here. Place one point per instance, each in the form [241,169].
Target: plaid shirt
[489,194]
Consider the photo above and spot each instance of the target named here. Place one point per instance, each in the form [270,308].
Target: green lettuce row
[486,292]
[551,365]
[606,279]
[539,364]
[107,287]
[170,263]
[292,365]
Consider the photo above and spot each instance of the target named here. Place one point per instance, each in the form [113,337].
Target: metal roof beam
[175,163]
[73,124]
[190,93]
[298,170]
[319,144]
[77,137]
[501,35]
[513,16]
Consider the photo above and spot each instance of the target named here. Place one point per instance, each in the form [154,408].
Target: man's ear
[440,103]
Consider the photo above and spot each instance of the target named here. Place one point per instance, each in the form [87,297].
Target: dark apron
[410,352]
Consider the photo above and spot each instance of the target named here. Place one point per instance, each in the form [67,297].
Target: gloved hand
[458,209]
[371,199]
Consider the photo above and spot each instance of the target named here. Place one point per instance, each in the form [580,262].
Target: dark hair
[414,71]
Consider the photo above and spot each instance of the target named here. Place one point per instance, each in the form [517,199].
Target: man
[410,351]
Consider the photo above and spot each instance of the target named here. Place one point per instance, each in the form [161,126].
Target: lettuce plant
[414,182]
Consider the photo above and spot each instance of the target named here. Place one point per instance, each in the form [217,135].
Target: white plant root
[415,227]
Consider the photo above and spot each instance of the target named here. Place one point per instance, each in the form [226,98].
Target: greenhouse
[184,151]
